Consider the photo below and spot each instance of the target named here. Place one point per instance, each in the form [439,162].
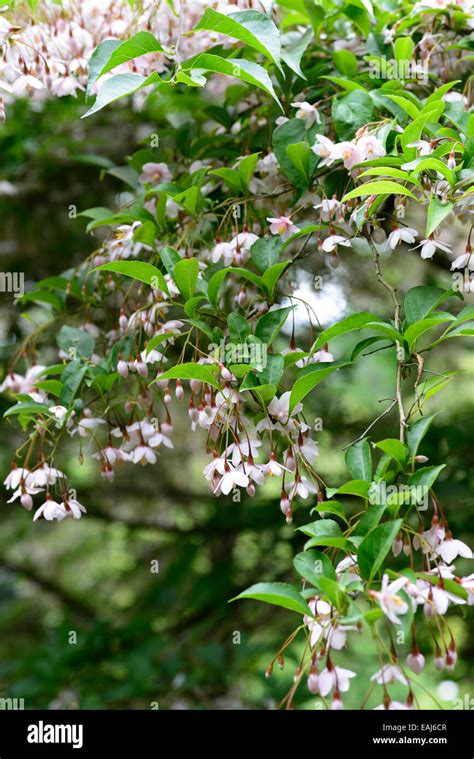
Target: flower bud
[26,501]
[123,321]
[142,368]
[439,660]
[416,661]
[313,683]
[285,505]
[195,385]
[421,459]
[122,368]
[179,392]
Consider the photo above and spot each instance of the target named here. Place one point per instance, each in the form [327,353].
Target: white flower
[326,150]
[370,147]
[392,706]
[401,234]
[307,112]
[388,674]
[336,677]
[74,508]
[464,261]
[59,412]
[233,477]
[450,549]
[156,173]
[391,603]
[143,454]
[283,226]
[13,478]
[332,241]
[429,246]
[328,208]
[88,424]
[50,510]
[349,152]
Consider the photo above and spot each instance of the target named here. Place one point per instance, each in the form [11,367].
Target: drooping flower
[390,602]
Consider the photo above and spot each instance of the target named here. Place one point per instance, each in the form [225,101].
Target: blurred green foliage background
[170,638]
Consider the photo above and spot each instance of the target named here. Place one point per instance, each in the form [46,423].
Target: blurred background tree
[128,608]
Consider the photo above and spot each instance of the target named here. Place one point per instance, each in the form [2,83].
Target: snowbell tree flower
[283,226]
[333,240]
[401,234]
[50,510]
[334,677]
[390,602]
[388,674]
[430,245]
[307,113]
[326,150]
[449,549]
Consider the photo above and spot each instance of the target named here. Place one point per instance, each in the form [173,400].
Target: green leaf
[390,171]
[214,285]
[330,507]
[271,276]
[292,54]
[359,488]
[185,275]
[158,339]
[278,594]
[139,270]
[322,528]
[118,86]
[191,370]
[253,28]
[51,386]
[312,565]
[416,330]
[300,155]
[247,71]
[393,448]
[416,433]
[309,377]
[170,258]
[238,326]
[434,164]
[27,409]
[375,547]
[347,84]
[378,188]
[272,372]
[266,251]
[437,212]
[403,49]
[97,61]
[421,301]
[350,112]
[294,131]
[138,45]
[270,324]
[426,477]
[409,107]
[348,324]
[75,341]
[245,169]
[71,379]
[359,460]
[346,62]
